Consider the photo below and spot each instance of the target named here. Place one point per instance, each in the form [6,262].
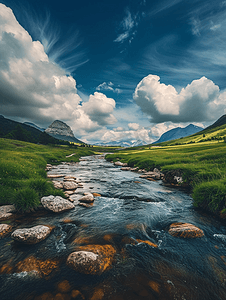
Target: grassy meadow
[23,178]
[203,166]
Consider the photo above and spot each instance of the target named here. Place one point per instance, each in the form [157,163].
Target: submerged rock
[6,212]
[32,235]
[55,175]
[4,229]
[56,204]
[92,259]
[185,230]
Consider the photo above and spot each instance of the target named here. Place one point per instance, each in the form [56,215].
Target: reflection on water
[133,215]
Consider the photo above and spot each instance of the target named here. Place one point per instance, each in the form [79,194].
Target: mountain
[178,133]
[221,121]
[8,126]
[35,126]
[62,131]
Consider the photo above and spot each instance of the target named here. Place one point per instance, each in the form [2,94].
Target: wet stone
[57,184]
[56,204]
[32,235]
[185,230]
[6,212]
[87,198]
[4,229]
[70,185]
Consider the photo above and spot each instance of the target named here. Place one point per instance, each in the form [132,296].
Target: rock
[87,198]
[59,128]
[85,205]
[6,212]
[92,259]
[147,242]
[134,169]
[119,163]
[69,185]
[32,235]
[54,175]
[56,204]
[4,229]
[185,230]
[96,195]
[57,184]
[125,168]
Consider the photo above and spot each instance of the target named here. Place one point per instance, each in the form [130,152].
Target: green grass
[203,166]
[23,179]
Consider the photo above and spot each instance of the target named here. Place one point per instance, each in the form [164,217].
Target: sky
[113,70]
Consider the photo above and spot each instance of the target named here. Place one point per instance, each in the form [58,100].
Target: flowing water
[129,210]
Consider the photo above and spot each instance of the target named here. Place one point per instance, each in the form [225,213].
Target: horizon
[123,70]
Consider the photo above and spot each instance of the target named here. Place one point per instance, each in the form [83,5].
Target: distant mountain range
[177,133]
[124,143]
[35,126]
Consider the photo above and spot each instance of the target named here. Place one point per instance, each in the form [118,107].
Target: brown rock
[57,184]
[147,242]
[92,259]
[64,286]
[87,198]
[185,230]
[96,195]
[32,235]
[4,229]
[85,204]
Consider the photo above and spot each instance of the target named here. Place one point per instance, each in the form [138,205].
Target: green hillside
[214,132]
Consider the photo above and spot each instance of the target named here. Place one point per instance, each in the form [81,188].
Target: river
[129,209]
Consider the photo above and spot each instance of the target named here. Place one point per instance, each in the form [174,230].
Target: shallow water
[129,209]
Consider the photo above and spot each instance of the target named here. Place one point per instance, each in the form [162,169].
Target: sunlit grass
[23,179]
[203,166]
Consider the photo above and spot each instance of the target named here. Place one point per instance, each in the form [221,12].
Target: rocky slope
[62,131]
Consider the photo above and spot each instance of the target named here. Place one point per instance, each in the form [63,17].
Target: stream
[129,209]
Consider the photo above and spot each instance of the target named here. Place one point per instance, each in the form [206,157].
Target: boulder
[6,212]
[87,198]
[92,259]
[56,204]
[4,229]
[32,235]
[70,185]
[185,230]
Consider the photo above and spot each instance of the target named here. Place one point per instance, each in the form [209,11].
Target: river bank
[133,227]
[198,167]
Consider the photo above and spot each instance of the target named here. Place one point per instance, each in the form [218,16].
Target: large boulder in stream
[69,185]
[92,259]
[185,230]
[56,204]
[32,235]
[89,198]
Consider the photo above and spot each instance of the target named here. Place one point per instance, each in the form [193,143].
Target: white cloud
[197,102]
[133,126]
[36,89]
[128,24]
[108,87]
[215,27]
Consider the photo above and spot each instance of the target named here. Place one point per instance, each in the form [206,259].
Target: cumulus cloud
[133,126]
[36,89]
[198,102]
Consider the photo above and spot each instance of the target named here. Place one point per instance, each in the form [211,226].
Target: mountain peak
[60,128]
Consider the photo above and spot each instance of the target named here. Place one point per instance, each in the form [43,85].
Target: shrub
[26,199]
[210,195]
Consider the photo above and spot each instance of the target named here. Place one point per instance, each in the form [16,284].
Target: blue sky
[115,69]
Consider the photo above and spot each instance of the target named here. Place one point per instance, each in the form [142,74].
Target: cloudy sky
[113,70]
